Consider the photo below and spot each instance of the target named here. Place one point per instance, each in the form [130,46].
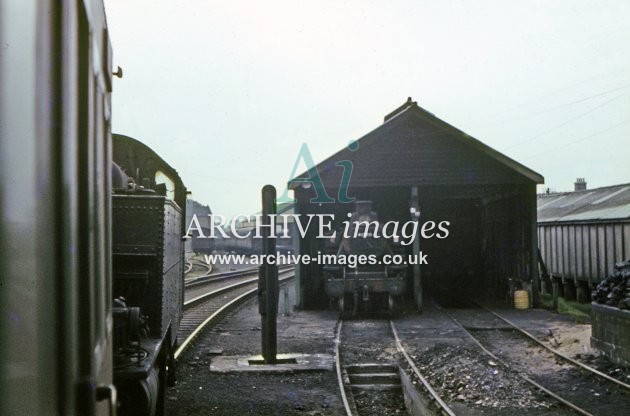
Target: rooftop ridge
[409,103]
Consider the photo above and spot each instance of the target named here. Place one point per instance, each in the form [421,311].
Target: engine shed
[416,167]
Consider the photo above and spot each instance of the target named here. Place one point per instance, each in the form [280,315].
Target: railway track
[193,280]
[187,266]
[196,292]
[575,385]
[193,284]
[368,355]
[207,305]
[194,265]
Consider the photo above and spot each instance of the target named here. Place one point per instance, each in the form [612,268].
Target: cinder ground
[202,392]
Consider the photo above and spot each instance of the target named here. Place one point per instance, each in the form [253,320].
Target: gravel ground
[602,363]
[466,375]
[452,363]
[472,383]
[597,396]
[574,340]
[201,392]
[379,403]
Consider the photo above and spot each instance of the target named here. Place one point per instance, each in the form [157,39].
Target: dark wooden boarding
[415,147]
[489,199]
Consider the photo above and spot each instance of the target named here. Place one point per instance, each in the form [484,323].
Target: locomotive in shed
[86,332]
[360,276]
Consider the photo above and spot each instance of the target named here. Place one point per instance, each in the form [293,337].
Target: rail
[505,365]
[434,397]
[230,305]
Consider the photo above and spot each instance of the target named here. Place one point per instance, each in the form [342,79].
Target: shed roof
[601,204]
[414,147]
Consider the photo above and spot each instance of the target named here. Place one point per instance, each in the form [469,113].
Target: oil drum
[521,299]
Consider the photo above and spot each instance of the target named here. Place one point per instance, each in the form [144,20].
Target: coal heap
[615,289]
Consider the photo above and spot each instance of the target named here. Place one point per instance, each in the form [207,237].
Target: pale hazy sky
[227,92]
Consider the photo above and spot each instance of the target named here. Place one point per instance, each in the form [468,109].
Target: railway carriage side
[55,157]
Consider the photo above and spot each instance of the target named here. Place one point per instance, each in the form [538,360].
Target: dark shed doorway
[415,161]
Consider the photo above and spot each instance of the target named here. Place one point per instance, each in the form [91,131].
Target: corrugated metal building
[582,234]
[416,161]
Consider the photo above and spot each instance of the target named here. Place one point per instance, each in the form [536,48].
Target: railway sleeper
[374,376]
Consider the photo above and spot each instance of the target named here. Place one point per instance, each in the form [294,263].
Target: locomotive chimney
[580,184]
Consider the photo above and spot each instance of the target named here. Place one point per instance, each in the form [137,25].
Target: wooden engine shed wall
[491,198]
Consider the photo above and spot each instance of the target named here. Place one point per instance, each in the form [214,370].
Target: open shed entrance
[488,241]
[415,161]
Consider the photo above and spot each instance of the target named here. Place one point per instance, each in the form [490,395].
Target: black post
[555,282]
[268,279]
[533,251]
[414,211]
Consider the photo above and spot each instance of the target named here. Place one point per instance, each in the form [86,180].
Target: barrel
[521,299]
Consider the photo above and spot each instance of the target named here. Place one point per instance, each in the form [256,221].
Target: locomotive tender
[84,332]
[148,289]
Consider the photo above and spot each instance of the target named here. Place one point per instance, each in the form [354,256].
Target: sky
[227,92]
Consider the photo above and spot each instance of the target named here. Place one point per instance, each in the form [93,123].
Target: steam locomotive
[363,276]
[90,252]
[148,275]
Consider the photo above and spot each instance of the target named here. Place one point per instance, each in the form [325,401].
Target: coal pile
[468,376]
[615,289]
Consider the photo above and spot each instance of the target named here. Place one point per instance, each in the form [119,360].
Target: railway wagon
[148,276]
[582,234]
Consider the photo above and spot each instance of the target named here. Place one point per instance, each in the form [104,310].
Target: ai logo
[315,180]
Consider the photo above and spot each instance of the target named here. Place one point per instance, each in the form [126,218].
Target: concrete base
[611,332]
[289,363]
